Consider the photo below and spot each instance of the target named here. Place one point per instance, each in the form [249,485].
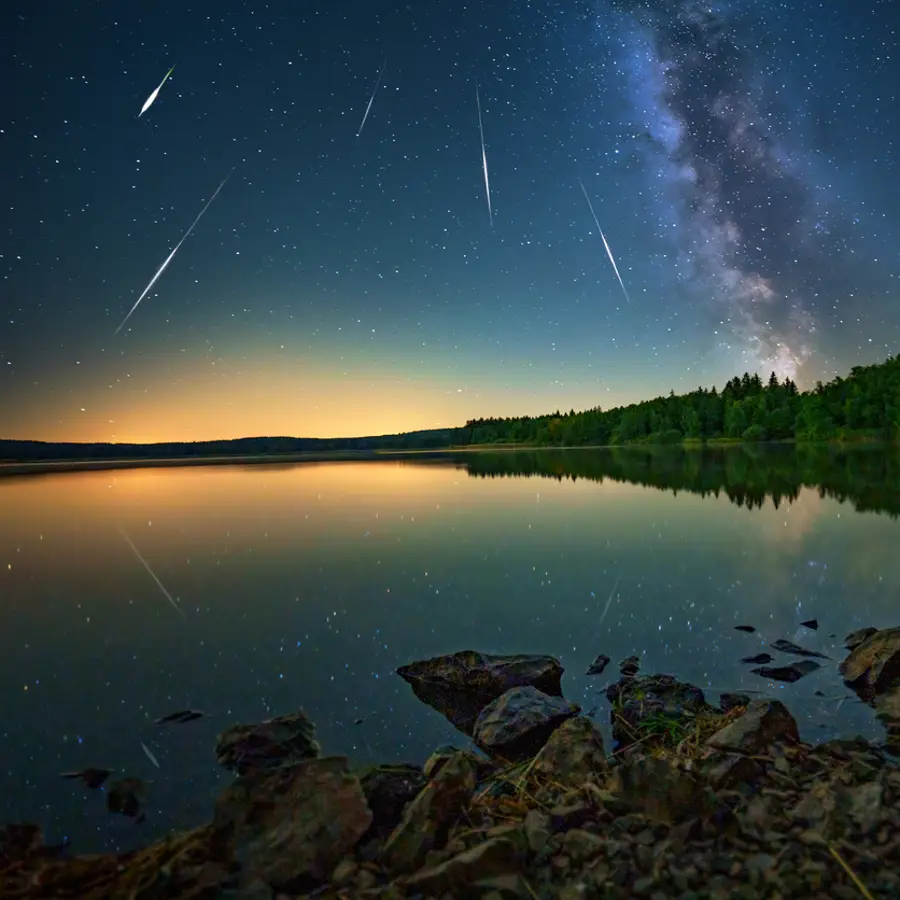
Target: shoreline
[43,467]
[696,802]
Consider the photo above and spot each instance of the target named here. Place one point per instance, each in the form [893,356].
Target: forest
[863,406]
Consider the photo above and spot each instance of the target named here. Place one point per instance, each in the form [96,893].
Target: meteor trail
[603,238]
[149,101]
[146,565]
[371,99]
[162,268]
[487,184]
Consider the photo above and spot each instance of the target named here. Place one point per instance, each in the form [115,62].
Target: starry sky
[349,278]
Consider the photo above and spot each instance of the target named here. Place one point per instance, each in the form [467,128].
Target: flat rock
[873,666]
[764,723]
[460,685]
[290,826]
[284,739]
[427,819]
[520,722]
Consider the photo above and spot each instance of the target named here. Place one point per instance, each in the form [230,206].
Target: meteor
[487,184]
[603,238]
[149,101]
[371,99]
[169,258]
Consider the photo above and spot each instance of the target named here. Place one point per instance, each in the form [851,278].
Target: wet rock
[765,722]
[460,685]
[873,666]
[573,754]
[789,674]
[730,701]
[855,638]
[661,698]
[21,841]
[388,789]
[796,650]
[284,739]
[660,791]
[537,829]
[598,665]
[458,875]
[428,818]
[630,666]
[290,826]
[519,722]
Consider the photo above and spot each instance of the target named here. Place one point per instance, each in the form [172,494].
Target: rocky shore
[695,800]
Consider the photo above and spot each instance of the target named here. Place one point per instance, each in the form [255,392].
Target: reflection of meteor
[149,101]
[371,99]
[487,184]
[162,268]
[603,238]
[159,584]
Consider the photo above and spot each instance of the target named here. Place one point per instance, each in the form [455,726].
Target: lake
[305,586]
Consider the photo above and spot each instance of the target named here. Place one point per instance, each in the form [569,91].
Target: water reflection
[306,586]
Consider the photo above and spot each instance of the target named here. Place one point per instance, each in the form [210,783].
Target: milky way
[743,205]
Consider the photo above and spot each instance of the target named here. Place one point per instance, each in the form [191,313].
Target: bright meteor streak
[603,238]
[371,99]
[169,258]
[487,184]
[149,101]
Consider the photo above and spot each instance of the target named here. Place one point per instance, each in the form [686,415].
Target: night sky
[741,158]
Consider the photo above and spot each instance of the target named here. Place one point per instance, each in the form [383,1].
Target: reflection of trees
[747,474]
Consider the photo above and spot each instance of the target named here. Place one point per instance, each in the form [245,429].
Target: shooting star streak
[372,99]
[612,594]
[149,101]
[159,584]
[162,268]
[603,238]
[487,184]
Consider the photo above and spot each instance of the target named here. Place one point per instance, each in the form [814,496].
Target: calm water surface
[307,585]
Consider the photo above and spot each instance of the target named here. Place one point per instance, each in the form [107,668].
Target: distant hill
[865,405]
[40,451]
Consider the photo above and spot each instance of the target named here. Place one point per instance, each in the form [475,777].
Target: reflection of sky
[307,586]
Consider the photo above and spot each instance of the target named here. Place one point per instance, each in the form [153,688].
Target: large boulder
[873,665]
[290,826]
[519,722]
[460,685]
[285,739]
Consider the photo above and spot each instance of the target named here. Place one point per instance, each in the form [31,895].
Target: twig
[851,874]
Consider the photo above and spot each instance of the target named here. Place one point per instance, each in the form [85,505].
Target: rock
[887,711]
[388,789]
[730,701]
[484,767]
[519,722]
[765,722]
[126,797]
[290,826]
[598,665]
[855,638]
[573,754]
[658,790]
[537,829]
[493,858]
[661,698]
[873,666]
[285,739]
[428,818]
[460,685]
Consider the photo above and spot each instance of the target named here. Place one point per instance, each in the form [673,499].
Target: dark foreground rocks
[695,801]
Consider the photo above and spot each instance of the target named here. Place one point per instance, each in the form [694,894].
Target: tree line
[864,405]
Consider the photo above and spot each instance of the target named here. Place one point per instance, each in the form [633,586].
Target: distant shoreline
[43,467]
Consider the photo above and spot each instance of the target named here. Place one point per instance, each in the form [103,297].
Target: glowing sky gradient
[741,158]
